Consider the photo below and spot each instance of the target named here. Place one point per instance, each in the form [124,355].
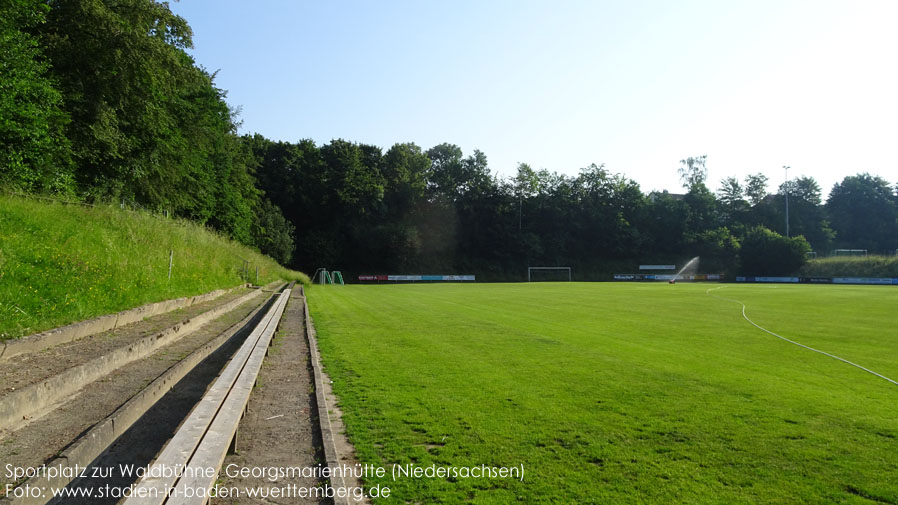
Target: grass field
[65,263]
[619,393]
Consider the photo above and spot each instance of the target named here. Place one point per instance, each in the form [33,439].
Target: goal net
[548,274]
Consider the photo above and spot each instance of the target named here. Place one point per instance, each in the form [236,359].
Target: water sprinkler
[690,266]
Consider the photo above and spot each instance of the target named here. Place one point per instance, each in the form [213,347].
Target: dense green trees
[100,101]
[807,216]
[123,73]
[864,213]
[416,211]
[34,153]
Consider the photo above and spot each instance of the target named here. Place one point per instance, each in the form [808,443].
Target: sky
[637,85]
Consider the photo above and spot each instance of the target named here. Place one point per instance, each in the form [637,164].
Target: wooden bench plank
[213,448]
[153,489]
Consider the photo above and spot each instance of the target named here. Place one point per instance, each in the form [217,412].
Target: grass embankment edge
[851,266]
[62,263]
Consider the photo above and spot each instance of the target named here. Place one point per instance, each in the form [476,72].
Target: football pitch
[618,392]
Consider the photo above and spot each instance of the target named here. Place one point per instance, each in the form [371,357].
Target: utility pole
[786,167]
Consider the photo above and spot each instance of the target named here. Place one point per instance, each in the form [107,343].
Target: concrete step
[32,384]
[82,427]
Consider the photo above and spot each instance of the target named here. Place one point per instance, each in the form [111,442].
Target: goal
[322,276]
[850,252]
[548,274]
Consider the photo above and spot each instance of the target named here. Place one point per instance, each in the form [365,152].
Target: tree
[404,169]
[273,234]
[526,181]
[34,153]
[550,213]
[805,189]
[730,192]
[452,176]
[526,184]
[352,172]
[147,124]
[863,212]
[234,195]
[475,175]
[610,205]
[693,171]
[765,252]
[118,65]
[666,224]
[806,215]
[718,249]
[701,209]
[731,202]
[755,188]
[445,170]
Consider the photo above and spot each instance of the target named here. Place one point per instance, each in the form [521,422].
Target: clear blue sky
[637,85]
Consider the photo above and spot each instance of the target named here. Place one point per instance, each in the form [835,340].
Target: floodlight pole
[787,200]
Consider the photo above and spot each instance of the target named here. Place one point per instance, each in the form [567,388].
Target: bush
[718,250]
[765,252]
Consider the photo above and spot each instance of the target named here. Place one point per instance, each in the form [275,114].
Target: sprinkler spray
[691,266]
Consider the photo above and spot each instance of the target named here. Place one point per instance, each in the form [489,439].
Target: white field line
[756,325]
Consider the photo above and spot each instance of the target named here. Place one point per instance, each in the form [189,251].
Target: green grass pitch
[619,393]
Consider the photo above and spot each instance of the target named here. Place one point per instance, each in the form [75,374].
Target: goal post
[321,276]
[560,270]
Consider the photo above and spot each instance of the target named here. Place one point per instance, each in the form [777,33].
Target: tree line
[100,101]
[409,210]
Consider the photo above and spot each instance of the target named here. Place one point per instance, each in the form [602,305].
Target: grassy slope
[65,263]
[619,393]
[852,266]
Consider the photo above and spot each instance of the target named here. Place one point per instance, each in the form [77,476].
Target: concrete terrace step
[31,384]
[75,331]
[203,439]
[85,424]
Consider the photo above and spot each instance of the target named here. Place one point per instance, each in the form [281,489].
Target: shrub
[765,252]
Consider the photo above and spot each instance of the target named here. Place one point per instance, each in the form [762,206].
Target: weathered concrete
[278,429]
[68,333]
[18,407]
[57,481]
[186,441]
[222,431]
[89,446]
[326,420]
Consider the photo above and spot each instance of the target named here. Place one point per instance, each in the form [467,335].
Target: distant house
[655,195]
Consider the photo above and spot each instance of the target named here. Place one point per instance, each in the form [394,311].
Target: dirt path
[279,429]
